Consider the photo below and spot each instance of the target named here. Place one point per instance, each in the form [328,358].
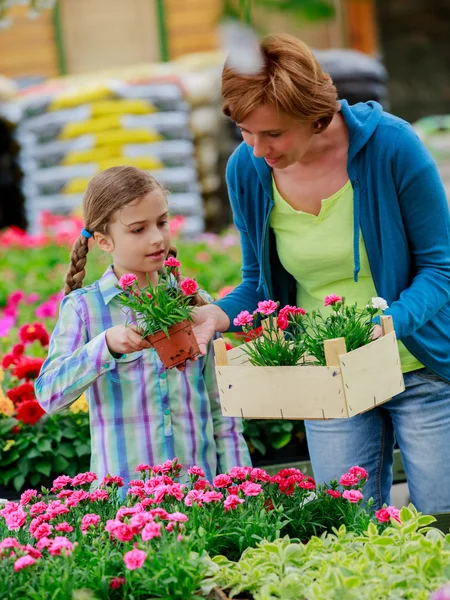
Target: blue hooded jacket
[400,206]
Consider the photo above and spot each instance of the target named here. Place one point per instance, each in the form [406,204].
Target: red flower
[189,286]
[28,367]
[116,582]
[331,300]
[172,262]
[29,412]
[22,393]
[334,493]
[29,333]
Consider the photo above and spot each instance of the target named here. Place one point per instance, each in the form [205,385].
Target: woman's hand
[207,320]
[124,340]
[377,332]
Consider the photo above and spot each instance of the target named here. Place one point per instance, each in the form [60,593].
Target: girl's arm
[74,362]
[232,449]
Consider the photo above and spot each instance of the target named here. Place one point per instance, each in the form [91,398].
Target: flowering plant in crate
[163,312]
[292,336]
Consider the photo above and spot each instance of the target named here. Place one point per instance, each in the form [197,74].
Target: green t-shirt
[318,252]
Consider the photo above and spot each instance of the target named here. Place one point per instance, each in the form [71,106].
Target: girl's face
[139,237]
[276,137]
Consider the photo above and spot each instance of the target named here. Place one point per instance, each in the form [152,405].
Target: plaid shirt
[139,412]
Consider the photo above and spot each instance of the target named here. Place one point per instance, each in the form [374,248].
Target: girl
[337,199]
[139,412]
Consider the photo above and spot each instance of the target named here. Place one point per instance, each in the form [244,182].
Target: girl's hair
[291,80]
[108,192]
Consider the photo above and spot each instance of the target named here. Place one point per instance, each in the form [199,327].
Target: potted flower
[327,366]
[164,312]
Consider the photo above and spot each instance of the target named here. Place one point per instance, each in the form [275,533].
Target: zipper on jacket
[263,248]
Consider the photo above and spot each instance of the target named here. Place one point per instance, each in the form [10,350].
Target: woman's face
[276,137]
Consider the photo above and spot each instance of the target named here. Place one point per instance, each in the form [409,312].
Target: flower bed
[180,541]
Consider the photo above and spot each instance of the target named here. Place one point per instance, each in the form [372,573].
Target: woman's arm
[425,213]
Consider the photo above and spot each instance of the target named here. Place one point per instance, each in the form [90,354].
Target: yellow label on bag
[147,163]
[122,107]
[73,130]
[81,96]
[77,157]
[127,136]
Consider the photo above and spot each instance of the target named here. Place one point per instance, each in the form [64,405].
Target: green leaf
[44,467]
[44,445]
[35,478]
[18,482]
[406,515]
[425,520]
[60,464]
[258,445]
[281,441]
[66,450]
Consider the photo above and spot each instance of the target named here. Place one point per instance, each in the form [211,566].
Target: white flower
[379,303]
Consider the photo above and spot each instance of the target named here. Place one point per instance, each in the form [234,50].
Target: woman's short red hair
[291,79]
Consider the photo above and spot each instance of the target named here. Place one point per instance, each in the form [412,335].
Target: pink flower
[37,509]
[259,475]
[151,530]
[83,478]
[203,485]
[197,471]
[348,480]
[99,496]
[61,482]
[232,502]
[394,513]
[307,485]
[240,473]
[123,532]
[359,472]
[9,508]
[383,515]
[116,582]
[243,318]
[89,520]
[55,509]
[43,543]
[178,517]
[24,561]
[334,493]
[212,496]
[159,512]
[9,542]
[251,489]
[267,307]
[442,593]
[141,468]
[60,545]
[16,519]
[77,497]
[172,262]
[127,281]
[331,300]
[31,551]
[134,559]
[189,286]
[44,530]
[352,496]
[108,480]
[283,320]
[194,496]
[64,527]
[26,497]
[32,298]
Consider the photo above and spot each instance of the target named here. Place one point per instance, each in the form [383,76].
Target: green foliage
[405,561]
[303,10]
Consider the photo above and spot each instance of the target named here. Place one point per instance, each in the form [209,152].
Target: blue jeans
[418,419]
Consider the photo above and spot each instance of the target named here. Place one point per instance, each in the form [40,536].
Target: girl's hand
[377,332]
[124,340]
[207,320]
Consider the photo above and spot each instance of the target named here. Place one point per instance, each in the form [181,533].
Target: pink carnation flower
[189,286]
[27,496]
[348,480]
[99,496]
[243,318]
[134,559]
[43,543]
[197,471]
[127,281]
[194,496]
[353,496]
[64,527]
[61,482]
[267,307]
[60,545]
[44,530]
[331,300]
[37,509]
[251,489]
[232,502]
[142,467]
[24,561]
[178,517]
[359,472]
[334,493]
[16,519]
[89,520]
[172,262]
[84,478]
[151,530]
[212,496]
[222,481]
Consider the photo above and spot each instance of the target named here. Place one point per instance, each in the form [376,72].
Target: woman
[332,198]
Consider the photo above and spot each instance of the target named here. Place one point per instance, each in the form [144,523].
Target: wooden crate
[350,384]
